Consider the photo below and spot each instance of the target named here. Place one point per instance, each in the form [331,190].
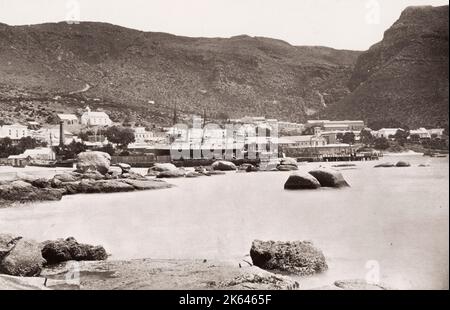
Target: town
[197,141]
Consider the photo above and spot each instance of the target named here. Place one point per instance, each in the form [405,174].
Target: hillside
[143,75]
[405,76]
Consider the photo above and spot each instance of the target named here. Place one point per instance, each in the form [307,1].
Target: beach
[392,220]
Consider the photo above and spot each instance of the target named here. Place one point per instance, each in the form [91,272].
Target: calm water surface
[391,219]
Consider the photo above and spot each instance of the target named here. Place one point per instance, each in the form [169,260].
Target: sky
[341,24]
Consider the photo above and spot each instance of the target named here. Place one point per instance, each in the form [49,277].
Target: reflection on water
[394,220]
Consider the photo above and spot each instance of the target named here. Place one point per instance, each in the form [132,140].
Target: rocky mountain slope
[144,75]
[405,76]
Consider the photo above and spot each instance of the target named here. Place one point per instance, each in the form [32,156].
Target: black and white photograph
[212,145]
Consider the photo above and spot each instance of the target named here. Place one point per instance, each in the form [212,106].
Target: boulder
[207,171]
[384,165]
[22,191]
[58,251]
[42,183]
[271,165]
[344,165]
[178,173]
[7,243]
[210,173]
[24,259]
[329,178]
[70,188]
[105,186]
[125,167]
[286,168]
[194,174]
[403,164]
[248,168]
[133,176]
[358,284]
[223,165]
[147,184]
[93,161]
[301,181]
[287,161]
[202,169]
[298,257]
[66,177]
[162,167]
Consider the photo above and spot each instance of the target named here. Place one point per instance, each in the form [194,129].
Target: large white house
[90,118]
[14,132]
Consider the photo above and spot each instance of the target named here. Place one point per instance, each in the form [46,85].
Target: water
[392,222]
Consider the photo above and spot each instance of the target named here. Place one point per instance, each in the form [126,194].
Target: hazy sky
[342,24]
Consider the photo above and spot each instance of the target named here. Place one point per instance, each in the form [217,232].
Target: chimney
[61,133]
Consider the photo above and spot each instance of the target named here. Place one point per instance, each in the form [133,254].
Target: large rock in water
[287,164]
[147,184]
[162,167]
[289,161]
[22,256]
[403,164]
[23,191]
[329,178]
[296,257]
[94,161]
[178,173]
[223,165]
[104,186]
[384,165]
[62,250]
[301,181]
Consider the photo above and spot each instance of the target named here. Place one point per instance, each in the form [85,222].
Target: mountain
[405,76]
[143,75]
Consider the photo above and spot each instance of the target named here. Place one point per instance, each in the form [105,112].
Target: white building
[386,132]
[328,125]
[438,132]
[422,133]
[141,135]
[90,118]
[69,119]
[14,132]
[302,141]
[290,126]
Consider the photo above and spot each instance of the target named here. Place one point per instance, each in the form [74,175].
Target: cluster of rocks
[93,175]
[315,179]
[26,258]
[168,170]
[298,257]
[390,165]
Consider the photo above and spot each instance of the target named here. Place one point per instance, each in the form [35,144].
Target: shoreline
[174,274]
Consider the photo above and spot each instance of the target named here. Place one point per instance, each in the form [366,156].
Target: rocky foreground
[66,264]
[147,274]
[94,174]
